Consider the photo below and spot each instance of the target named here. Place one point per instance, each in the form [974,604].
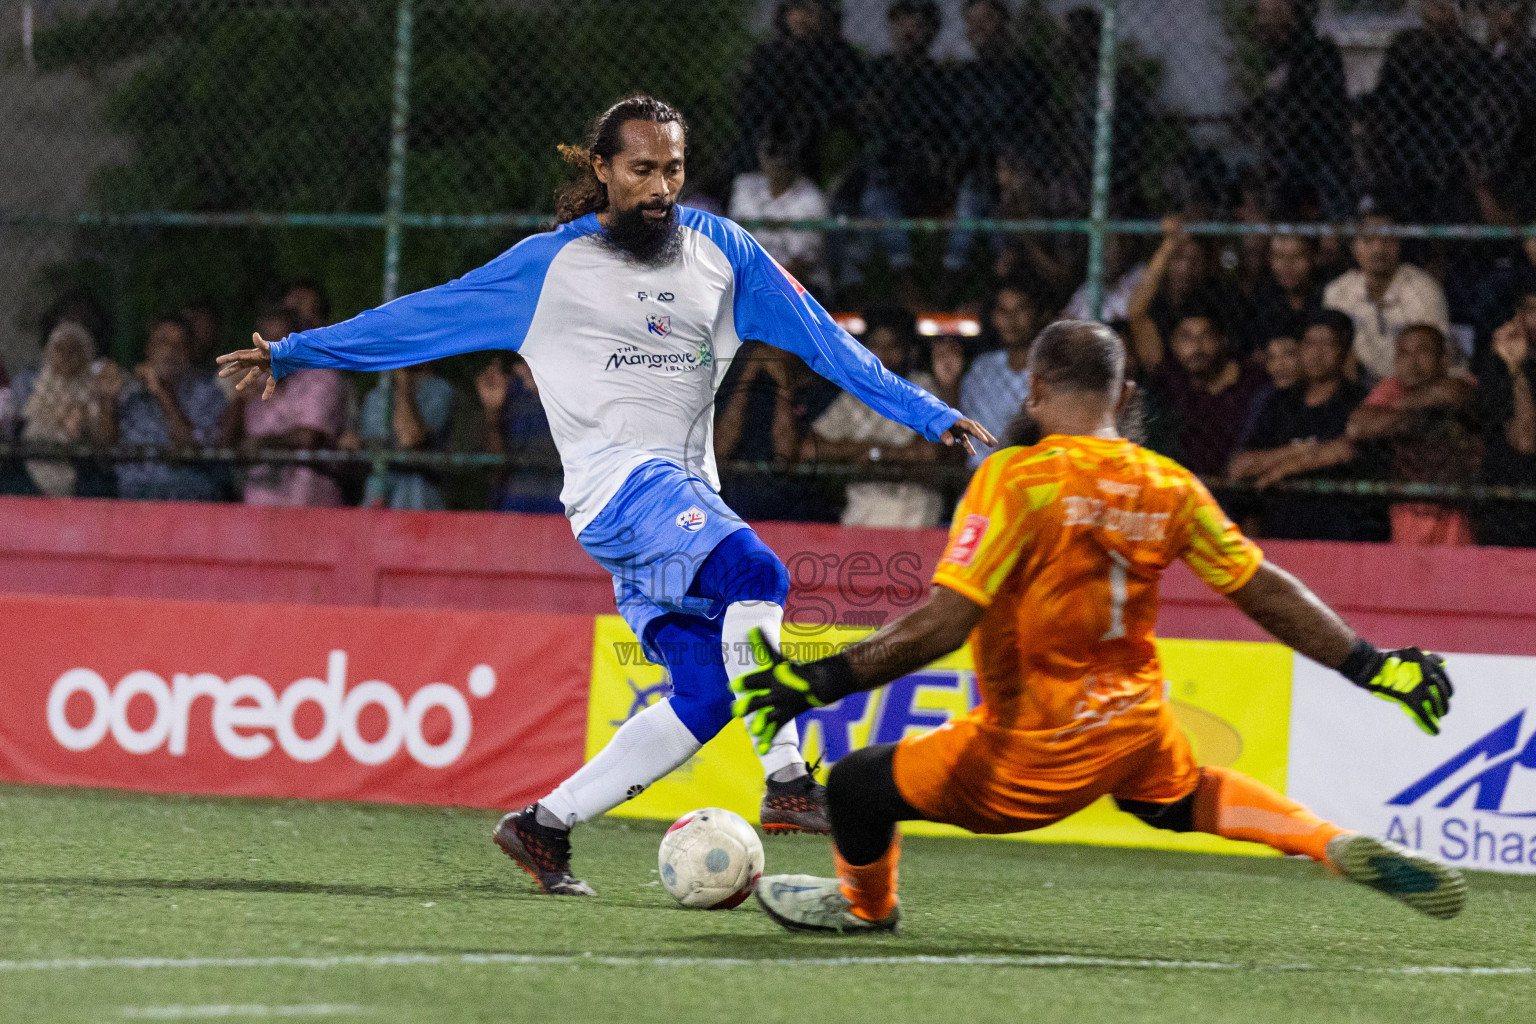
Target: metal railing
[942,474]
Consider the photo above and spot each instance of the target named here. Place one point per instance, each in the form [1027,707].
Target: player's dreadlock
[586,194]
[1079,355]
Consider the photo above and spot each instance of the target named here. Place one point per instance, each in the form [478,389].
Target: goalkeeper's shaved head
[1079,355]
[1076,385]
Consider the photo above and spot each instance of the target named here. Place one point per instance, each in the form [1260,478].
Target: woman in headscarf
[60,403]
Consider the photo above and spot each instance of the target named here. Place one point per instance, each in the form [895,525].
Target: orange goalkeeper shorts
[993,780]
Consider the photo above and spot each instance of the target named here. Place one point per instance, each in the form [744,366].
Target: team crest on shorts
[692,520]
[661,326]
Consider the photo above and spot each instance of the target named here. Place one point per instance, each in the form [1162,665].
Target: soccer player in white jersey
[629,313]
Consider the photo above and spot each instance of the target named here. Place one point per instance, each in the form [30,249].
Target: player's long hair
[586,194]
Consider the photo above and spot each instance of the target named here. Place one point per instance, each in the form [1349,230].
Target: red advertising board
[483,709]
[1450,599]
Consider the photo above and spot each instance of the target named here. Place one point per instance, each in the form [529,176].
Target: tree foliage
[284,106]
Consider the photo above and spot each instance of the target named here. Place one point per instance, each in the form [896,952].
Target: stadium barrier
[1241,726]
[494,709]
[1255,707]
[1456,599]
[464,693]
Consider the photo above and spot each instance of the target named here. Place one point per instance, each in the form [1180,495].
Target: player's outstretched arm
[776,694]
[488,308]
[1290,612]
[773,307]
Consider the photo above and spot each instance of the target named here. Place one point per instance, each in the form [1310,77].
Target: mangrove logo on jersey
[248,717]
[626,356]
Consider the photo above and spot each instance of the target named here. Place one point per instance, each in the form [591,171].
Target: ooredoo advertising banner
[495,709]
[1466,797]
[483,709]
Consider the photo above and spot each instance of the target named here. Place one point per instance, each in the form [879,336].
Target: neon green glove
[774,695]
[1409,676]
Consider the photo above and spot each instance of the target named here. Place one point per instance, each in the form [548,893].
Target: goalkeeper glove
[777,693]
[1409,676]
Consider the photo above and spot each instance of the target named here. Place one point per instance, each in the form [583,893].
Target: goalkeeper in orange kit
[1052,571]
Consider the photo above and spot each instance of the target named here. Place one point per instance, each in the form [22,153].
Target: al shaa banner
[480,709]
[1466,797]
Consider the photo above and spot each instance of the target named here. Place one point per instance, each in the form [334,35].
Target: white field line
[588,959]
[215,1011]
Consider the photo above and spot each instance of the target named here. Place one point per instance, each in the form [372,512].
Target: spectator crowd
[1258,359]
[1446,134]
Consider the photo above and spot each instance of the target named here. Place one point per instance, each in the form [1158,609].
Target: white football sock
[644,749]
[740,618]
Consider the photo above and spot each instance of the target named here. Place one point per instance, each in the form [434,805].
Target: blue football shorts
[653,536]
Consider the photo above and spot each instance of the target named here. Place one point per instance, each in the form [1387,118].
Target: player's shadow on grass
[475,889]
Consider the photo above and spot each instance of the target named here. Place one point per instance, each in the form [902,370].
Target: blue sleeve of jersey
[488,308]
[772,307]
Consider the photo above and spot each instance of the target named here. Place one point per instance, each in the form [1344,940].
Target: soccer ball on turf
[710,859]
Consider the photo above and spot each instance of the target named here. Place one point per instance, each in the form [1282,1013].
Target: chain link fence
[161,153]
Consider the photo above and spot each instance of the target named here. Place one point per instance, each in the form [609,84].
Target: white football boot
[1424,884]
[805,903]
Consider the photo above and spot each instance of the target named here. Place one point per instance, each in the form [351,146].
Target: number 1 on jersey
[1117,597]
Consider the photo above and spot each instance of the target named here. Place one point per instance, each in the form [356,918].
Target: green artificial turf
[410,914]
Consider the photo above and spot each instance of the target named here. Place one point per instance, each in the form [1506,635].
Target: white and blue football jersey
[627,356]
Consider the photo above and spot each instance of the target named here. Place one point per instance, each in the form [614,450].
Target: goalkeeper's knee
[1178,816]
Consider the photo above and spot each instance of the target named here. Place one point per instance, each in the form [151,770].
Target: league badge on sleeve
[692,520]
[963,548]
[799,288]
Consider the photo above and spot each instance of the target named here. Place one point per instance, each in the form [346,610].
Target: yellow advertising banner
[1232,699]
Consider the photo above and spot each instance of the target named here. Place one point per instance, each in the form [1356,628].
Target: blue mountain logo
[1484,766]
[644,697]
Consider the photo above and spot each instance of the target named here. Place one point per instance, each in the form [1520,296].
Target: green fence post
[1103,137]
[400,105]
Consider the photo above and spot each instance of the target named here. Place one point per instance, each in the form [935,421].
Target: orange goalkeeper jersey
[1063,543]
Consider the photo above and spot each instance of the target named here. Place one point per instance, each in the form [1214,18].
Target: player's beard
[644,239]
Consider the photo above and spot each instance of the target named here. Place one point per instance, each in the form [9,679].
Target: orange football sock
[1231,804]
[871,888]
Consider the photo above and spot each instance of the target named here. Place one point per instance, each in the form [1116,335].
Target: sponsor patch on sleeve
[963,548]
